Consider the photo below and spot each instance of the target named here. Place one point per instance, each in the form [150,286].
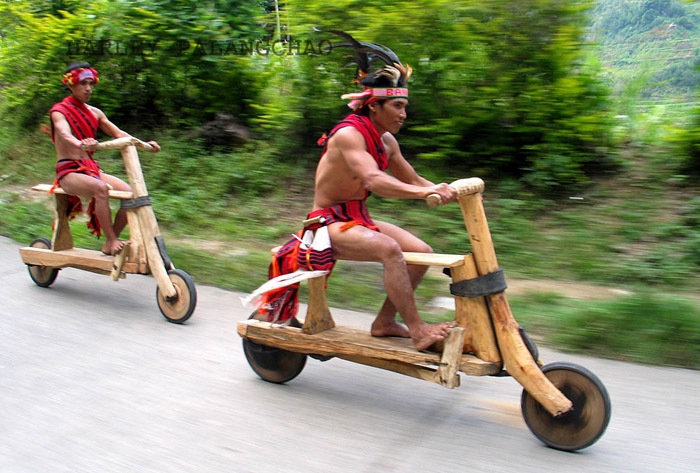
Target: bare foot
[389,329]
[427,334]
[112,247]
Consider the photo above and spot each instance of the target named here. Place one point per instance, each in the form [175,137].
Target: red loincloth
[86,166]
[83,123]
[279,305]
[283,303]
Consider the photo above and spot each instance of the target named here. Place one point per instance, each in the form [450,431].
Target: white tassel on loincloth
[283,280]
[318,240]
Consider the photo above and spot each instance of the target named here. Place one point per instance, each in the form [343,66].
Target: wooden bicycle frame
[487,338]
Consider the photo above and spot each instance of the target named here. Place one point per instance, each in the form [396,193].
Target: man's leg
[385,324]
[118,185]
[89,187]
[361,244]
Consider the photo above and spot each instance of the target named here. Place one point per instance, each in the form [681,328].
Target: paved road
[93,379]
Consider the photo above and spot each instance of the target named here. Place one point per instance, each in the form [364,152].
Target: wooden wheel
[273,364]
[179,308]
[42,276]
[584,424]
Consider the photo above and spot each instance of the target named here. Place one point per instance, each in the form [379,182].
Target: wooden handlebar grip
[120,143]
[142,145]
[433,200]
[469,186]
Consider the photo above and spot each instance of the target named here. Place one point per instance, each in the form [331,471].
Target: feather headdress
[389,81]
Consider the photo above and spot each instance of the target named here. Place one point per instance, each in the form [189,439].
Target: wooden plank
[98,271]
[148,225]
[72,258]
[434,259]
[336,341]
[426,373]
[137,253]
[118,263]
[149,231]
[112,193]
[423,259]
[62,238]
[518,361]
[318,315]
[354,344]
[472,313]
[451,356]
[474,366]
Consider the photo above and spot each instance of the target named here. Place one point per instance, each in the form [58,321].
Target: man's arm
[399,167]
[107,126]
[62,131]
[352,146]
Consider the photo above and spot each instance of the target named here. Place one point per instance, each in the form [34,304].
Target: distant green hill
[650,49]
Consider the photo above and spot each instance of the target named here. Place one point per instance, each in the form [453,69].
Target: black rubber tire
[42,276]
[181,307]
[584,424]
[274,364]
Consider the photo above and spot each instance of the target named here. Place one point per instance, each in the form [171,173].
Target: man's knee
[392,251]
[100,190]
[123,186]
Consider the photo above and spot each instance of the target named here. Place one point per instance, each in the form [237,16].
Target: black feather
[365,53]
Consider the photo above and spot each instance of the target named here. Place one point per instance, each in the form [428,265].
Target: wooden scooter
[563,404]
[145,252]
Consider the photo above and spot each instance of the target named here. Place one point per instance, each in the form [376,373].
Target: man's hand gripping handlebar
[469,186]
[120,143]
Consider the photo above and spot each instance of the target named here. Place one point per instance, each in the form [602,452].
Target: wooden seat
[122,195]
[422,259]
[434,259]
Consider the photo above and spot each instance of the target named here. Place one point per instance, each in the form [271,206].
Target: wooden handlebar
[120,143]
[469,186]
[433,200]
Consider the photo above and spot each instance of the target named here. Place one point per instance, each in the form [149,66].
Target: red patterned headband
[78,75]
[369,95]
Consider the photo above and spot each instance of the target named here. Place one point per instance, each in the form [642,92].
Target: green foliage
[224,266]
[159,62]
[650,51]
[294,108]
[25,221]
[189,183]
[659,37]
[688,142]
[644,327]
[499,88]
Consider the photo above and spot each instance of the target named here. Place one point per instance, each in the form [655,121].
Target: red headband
[78,75]
[369,95]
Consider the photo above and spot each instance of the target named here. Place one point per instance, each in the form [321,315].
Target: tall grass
[645,327]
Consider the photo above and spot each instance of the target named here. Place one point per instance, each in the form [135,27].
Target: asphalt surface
[94,379]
